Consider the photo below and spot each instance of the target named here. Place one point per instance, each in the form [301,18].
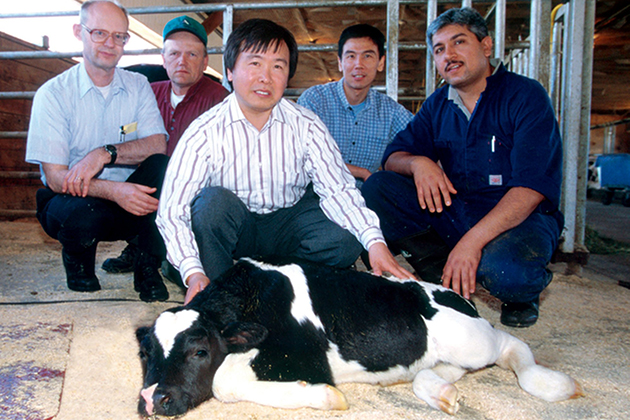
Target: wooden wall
[19,180]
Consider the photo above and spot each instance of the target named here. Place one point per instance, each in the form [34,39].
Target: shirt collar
[454,96]
[344,100]
[191,91]
[86,83]
[236,113]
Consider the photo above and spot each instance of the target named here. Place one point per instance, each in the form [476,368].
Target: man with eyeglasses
[99,139]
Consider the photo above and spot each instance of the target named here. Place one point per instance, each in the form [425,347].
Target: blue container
[614,174]
[614,170]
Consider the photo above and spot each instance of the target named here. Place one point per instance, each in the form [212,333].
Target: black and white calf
[283,332]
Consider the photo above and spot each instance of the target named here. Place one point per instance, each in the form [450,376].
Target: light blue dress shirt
[70,118]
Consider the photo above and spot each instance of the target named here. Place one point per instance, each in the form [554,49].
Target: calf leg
[537,380]
[235,381]
[435,387]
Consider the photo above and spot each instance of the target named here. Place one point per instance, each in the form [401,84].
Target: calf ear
[242,336]
[141,333]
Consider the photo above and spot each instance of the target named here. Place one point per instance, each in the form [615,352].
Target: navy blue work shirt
[512,139]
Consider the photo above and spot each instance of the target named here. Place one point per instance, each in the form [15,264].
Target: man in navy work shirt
[361,120]
[471,187]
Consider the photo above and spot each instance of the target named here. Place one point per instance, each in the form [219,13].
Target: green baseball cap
[185,23]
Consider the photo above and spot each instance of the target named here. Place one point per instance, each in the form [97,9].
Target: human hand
[196,283]
[365,174]
[382,261]
[460,270]
[135,198]
[77,180]
[433,186]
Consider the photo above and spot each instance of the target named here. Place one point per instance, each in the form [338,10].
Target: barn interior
[66,354]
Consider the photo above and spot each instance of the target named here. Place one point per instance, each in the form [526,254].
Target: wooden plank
[19,194]
[16,106]
[12,155]
[13,121]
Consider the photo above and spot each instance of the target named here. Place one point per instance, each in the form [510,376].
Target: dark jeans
[513,266]
[225,230]
[79,223]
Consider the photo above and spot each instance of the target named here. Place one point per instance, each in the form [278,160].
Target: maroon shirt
[201,96]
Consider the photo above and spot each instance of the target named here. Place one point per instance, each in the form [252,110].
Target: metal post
[609,139]
[539,36]
[570,118]
[499,27]
[228,26]
[585,132]
[556,59]
[429,79]
[393,15]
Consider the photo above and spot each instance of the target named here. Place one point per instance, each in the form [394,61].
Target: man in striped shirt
[259,175]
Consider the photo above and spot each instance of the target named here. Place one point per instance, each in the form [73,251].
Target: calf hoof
[579,392]
[335,400]
[448,399]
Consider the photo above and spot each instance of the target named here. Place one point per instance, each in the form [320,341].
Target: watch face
[111,149]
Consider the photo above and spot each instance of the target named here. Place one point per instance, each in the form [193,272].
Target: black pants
[79,223]
[225,230]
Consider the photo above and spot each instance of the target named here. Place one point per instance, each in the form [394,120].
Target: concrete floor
[67,355]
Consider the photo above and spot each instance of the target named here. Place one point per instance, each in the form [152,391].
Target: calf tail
[537,380]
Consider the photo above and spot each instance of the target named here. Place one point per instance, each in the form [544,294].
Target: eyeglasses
[100,36]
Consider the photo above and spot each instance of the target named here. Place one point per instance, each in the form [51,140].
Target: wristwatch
[111,149]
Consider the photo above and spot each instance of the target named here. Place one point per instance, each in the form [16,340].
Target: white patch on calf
[301,307]
[169,324]
[345,371]
[235,380]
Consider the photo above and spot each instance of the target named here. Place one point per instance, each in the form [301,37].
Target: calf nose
[162,400]
[147,395]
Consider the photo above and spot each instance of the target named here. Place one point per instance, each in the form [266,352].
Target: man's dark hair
[465,16]
[258,35]
[362,30]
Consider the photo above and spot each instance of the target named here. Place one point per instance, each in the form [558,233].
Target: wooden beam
[212,22]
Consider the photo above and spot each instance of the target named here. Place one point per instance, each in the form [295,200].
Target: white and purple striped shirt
[267,170]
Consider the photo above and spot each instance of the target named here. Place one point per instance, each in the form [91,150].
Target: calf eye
[201,353]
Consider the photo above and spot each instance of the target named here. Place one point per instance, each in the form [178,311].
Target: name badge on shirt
[496,180]
[127,129]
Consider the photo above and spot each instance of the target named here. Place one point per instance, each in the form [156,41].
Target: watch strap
[111,149]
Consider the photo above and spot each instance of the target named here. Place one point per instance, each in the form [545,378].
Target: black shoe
[80,275]
[147,280]
[171,274]
[426,252]
[124,263]
[519,315]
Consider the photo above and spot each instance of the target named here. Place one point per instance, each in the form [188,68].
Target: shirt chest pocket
[495,159]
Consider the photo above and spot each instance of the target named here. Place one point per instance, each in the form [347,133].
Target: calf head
[180,355]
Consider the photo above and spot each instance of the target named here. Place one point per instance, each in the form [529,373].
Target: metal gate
[565,70]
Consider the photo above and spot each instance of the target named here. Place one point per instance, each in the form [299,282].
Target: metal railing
[566,71]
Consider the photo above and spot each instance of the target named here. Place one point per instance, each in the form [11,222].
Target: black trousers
[79,223]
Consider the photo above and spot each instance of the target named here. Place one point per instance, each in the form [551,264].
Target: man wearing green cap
[183,98]
[188,93]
